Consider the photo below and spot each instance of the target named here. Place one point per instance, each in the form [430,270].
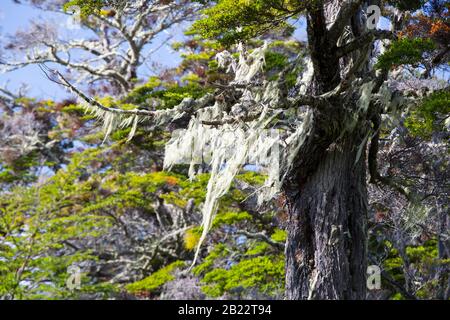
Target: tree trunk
[326,246]
[443,273]
[326,191]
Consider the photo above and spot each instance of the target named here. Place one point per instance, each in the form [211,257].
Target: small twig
[263,237]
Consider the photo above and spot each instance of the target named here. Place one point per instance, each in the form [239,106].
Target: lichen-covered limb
[57,77]
[363,40]
[187,106]
[347,9]
[190,106]
[7,99]
[307,100]
[261,236]
[231,120]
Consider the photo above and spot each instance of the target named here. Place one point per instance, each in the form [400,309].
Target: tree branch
[263,237]
[375,176]
[364,40]
[187,106]
[230,120]
[346,11]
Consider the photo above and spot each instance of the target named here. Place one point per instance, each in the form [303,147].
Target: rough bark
[443,273]
[326,255]
[326,248]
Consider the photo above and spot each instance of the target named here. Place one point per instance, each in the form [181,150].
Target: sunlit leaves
[405,52]
[431,115]
[156,280]
[230,20]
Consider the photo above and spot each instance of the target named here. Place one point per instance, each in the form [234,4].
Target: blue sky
[14,17]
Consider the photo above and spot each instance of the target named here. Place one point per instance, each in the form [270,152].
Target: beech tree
[326,127]
[118,40]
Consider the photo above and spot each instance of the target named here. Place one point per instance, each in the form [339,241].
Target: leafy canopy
[233,20]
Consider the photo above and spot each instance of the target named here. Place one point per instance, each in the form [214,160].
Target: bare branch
[346,11]
[231,120]
[187,106]
[263,237]
[364,40]
[116,52]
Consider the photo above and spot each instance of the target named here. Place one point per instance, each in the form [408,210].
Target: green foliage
[204,55]
[141,93]
[20,170]
[168,94]
[38,221]
[424,257]
[242,267]
[74,109]
[257,248]
[397,296]
[275,60]
[423,254]
[252,178]
[430,115]
[229,218]
[233,20]
[129,190]
[265,273]
[196,190]
[174,94]
[279,235]
[405,51]
[156,279]
[219,251]
[87,7]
